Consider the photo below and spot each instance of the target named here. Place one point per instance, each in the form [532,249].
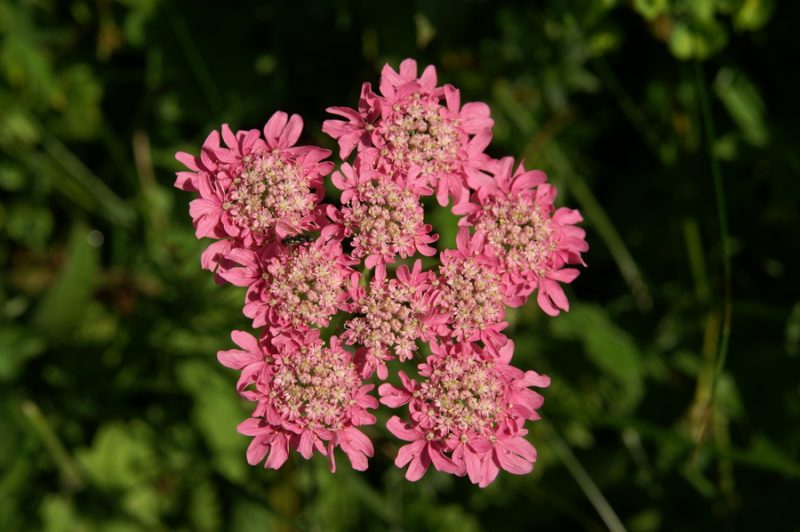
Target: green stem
[722,220]
[70,471]
[584,480]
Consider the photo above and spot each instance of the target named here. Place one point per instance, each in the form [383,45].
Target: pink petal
[476,117]
[463,239]
[535,379]
[418,466]
[274,126]
[407,452]
[357,447]
[567,275]
[440,461]
[246,341]
[305,445]
[279,452]
[253,427]
[291,133]
[239,276]
[489,470]
[188,160]
[402,430]
[393,397]
[235,358]
[545,304]
[473,464]
[528,180]
[513,462]
[257,449]
[453,98]
[186,181]
[229,137]
[567,216]
[428,77]
[408,69]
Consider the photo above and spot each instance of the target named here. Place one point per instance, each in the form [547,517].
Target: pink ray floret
[467,414]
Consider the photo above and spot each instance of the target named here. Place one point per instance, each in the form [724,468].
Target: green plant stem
[724,235]
[70,471]
[584,480]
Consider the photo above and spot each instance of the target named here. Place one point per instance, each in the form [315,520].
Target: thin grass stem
[586,483]
[724,234]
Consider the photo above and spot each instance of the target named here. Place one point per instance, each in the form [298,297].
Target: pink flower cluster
[338,293]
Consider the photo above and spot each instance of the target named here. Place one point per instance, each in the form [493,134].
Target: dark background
[114,413]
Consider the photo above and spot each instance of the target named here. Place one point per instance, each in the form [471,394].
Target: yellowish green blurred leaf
[744,104]
[61,307]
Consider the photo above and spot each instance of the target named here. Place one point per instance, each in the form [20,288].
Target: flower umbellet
[466,415]
[309,398]
[294,286]
[532,242]
[413,123]
[342,290]
[254,190]
[390,315]
[382,213]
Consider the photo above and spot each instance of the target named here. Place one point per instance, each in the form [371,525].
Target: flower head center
[472,294]
[463,394]
[306,284]
[418,134]
[385,219]
[391,321]
[269,189]
[314,389]
[520,233]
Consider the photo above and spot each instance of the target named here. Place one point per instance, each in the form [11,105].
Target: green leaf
[765,454]
[753,14]
[59,310]
[121,456]
[217,411]
[650,9]
[696,39]
[17,346]
[744,104]
[204,507]
[58,515]
[610,348]
[29,224]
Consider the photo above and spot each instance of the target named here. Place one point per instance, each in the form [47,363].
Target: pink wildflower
[311,399]
[383,215]
[292,287]
[254,357]
[390,316]
[355,132]
[467,415]
[472,292]
[252,189]
[531,240]
[409,125]
[260,196]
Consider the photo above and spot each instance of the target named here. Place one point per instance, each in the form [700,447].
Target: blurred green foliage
[114,413]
